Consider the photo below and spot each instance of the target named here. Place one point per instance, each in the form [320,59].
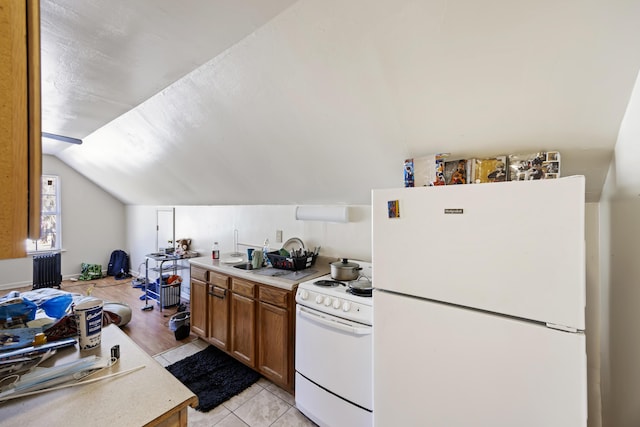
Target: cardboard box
[457,172]
[493,169]
[424,171]
[542,165]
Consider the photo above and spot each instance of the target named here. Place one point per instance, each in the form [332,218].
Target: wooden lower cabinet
[198,303]
[243,321]
[276,335]
[251,321]
[273,341]
[243,329]
[219,297]
[219,317]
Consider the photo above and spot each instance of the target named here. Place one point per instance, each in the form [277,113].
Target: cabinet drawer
[274,296]
[199,273]
[219,279]
[242,287]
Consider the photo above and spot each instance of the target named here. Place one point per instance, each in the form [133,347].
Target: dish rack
[291,263]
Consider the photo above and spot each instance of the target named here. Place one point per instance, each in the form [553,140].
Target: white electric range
[334,356]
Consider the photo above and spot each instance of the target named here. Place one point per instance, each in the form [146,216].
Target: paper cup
[89,320]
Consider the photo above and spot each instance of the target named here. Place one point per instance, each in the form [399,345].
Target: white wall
[620,276]
[93,225]
[620,309]
[624,311]
[255,223]
[206,224]
[593,314]
[604,217]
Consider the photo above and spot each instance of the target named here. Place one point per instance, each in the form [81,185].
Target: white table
[150,396]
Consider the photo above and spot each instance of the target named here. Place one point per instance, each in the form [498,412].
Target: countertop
[148,396]
[319,268]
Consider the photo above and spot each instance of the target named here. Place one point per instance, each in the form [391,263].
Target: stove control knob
[336,304]
[304,294]
[319,299]
[346,306]
[327,301]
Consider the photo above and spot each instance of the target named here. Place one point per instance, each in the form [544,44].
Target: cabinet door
[273,343]
[20,135]
[243,330]
[198,305]
[219,316]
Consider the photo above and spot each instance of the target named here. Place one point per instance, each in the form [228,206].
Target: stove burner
[328,283]
[360,292]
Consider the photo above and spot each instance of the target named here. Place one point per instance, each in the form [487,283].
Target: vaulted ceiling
[281,101]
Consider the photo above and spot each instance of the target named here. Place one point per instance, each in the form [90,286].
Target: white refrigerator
[479,305]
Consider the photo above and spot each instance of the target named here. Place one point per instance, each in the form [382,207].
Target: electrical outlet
[278,236]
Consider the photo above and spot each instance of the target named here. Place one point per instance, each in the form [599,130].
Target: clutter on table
[34,324]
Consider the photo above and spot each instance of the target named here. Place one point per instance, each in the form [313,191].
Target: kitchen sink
[244,266]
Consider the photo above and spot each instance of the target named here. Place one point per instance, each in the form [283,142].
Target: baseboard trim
[12,286]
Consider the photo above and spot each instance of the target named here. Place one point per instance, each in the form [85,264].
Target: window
[50,218]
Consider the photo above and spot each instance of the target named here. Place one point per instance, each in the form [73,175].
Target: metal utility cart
[166,295]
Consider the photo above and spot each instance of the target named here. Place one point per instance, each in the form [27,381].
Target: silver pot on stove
[345,270]
[361,287]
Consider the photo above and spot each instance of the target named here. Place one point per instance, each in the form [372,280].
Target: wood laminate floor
[149,329]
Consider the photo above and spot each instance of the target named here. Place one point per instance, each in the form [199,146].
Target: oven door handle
[335,324]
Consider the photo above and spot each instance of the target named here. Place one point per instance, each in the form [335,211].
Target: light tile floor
[263,404]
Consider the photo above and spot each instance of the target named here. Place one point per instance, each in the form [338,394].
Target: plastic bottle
[215,252]
[265,250]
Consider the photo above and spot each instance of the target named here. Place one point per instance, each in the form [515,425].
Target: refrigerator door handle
[563,328]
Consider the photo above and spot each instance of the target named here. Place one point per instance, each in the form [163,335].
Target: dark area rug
[213,376]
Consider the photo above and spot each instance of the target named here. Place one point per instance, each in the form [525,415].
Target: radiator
[47,271]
